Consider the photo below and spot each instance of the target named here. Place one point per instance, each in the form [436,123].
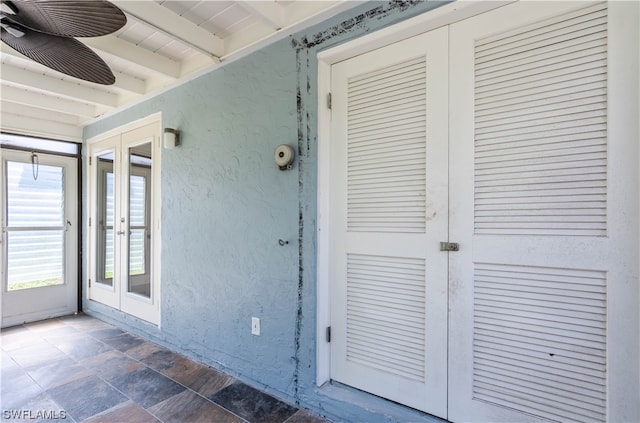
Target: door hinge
[89,283]
[90,160]
[328,333]
[329,101]
[449,246]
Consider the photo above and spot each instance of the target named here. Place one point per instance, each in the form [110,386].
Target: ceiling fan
[44,31]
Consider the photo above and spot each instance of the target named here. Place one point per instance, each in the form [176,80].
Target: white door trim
[623,209]
[156,117]
[437,18]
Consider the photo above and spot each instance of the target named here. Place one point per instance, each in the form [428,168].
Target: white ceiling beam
[269,11]
[37,113]
[164,20]
[26,125]
[134,54]
[46,102]
[15,76]
[129,83]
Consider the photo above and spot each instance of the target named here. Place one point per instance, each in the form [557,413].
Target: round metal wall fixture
[284,156]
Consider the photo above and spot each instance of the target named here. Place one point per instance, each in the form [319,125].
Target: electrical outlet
[255,326]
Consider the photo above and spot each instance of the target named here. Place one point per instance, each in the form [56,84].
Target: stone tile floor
[80,369]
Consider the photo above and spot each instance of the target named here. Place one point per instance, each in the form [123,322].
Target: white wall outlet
[255,326]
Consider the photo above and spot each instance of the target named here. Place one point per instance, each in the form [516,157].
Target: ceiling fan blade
[63,54]
[69,18]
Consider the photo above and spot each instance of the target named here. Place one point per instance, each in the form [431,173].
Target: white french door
[39,236]
[495,133]
[122,230]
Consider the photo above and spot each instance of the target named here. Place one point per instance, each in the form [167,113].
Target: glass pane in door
[35,195]
[35,225]
[139,216]
[106,219]
[35,259]
[137,220]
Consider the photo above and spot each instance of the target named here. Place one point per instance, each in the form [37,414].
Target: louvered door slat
[390,107]
[383,291]
[548,407]
[393,317]
[389,143]
[537,363]
[392,129]
[400,83]
[542,168]
[523,147]
[365,330]
[373,154]
[567,177]
[597,114]
[581,356]
[411,118]
[538,325]
[388,72]
[570,48]
[542,387]
[389,177]
[555,55]
[395,102]
[564,22]
[394,92]
[540,86]
[587,101]
[500,334]
[553,70]
[550,32]
[534,66]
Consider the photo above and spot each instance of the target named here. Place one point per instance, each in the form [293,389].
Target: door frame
[623,316]
[72,261]
[442,16]
[133,133]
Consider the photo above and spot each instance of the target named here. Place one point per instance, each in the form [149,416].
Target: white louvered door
[528,323]
[507,133]
[389,213]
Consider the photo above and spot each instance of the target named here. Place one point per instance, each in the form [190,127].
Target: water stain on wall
[358,22]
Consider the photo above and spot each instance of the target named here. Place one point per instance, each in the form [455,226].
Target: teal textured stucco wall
[225,206]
